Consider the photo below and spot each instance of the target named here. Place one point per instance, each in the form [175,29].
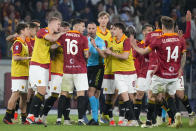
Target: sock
[12,114]
[81,106]
[28,105]
[137,108]
[185,102]
[129,115]
[36,104]
[97,100]
[49,103]
[171,107]
[151,110]
[177,103]
[93,104]
[110,110]
[121,107]
[8,114]
[159,109]
[163,113]
[106,108]
[23,117]
[66,108]
[60,106]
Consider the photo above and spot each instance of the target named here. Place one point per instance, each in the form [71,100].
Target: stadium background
[130,12]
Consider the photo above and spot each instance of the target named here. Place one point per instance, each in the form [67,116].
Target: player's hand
[188,15]
[28,58]
[108,51]
[180,73]
[93,42]
[15,35]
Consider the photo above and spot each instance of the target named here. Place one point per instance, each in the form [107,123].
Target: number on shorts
[173,55]
[70,45]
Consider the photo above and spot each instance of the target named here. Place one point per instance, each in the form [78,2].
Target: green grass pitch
[52,127]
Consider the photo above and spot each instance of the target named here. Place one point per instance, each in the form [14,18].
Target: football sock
[81,106]
[66,108]
[12,115]
[8,114]
[159,109]
[129,115]
[60,106]
[121,107]
[97,101]
[28,105]
[151,110]
[185,102]
[49,103]
[137,108]
[171,107]
[93,104]
[23,117]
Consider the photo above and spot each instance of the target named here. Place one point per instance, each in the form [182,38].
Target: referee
[95,70]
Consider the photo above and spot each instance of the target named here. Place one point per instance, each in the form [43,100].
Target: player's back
[169,49]
[74,45]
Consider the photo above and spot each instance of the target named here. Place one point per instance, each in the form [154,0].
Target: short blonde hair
[103,13]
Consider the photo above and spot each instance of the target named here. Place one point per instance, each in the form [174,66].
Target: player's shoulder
[43,30]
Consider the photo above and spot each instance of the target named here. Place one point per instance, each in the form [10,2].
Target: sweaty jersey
[20,68]
[41,50]
[103,35]
[153,60]
[141,61]
[57,62]
[94,58]
[169,47]
[74,44]
[122,66]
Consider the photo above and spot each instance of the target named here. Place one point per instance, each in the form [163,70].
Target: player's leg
[81,84]
[30,94]
[23,106]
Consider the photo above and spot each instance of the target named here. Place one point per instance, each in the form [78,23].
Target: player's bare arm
[53,37]
[188,16]
[86,54]
[101,52]
[19,58]
[124,55]
[54,46]
[11,37]
[183,62]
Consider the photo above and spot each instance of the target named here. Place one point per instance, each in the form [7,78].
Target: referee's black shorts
[95,76]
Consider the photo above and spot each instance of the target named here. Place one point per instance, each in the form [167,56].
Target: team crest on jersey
[55,88]
[39,81]
[171,69]
[17,47]
[46,30]
[22,87]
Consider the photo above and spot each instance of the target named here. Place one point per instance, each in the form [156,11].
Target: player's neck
[118,37]
[168,31]
[102,28]
[22,37]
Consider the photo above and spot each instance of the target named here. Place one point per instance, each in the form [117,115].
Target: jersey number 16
[72,47]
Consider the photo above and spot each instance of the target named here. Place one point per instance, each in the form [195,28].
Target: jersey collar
[158,30]
[122,38]
[170,34]
[20,39]
[74,31]
[100,31]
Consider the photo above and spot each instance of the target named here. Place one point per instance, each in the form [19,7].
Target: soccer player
[95,70]
[56,75]
[141,64]
[124,71]
[75,47]
[172,57]
[19,74]
[40,63]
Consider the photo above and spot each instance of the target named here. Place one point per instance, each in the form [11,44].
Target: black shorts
[95,76]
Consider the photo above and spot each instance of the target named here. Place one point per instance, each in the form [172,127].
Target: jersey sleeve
[17,48]
[42,33]
[61,40]
[187,34]
[85,42]
[147,40]
[154,44]
[126,45]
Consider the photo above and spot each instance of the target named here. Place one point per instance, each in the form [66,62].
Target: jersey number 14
[173,55]
[72,47]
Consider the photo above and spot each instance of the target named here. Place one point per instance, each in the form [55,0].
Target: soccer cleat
[178,121]
[191,118]
[170,121]
[93,122]
[31,119]
[148,124]
[159,121]
[58,122]
[6,121]
[140,122]
[67,122]
[25,123]
[43,119]
[81,122]
[38,122]
[132,123]
[85,119]
[112,123]
[104,119]
[120,123]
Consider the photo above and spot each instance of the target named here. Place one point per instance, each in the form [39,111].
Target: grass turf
[52,127]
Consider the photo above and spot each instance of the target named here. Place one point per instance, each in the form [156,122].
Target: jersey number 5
[72,47]
[173,55]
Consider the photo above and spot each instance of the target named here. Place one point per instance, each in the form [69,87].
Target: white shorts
[125,83]
[19,85]
[38,76]
[55,84]
[141,84]
[108,86]
[149,78]
[180,84]
[79,81]
[160,85]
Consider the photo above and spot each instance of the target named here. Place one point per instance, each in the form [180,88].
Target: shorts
[125,83]
[95,76]
[141,84]
[108,86]
[79,81]
[55,84]
[38,76]
[162,85]
[149,78]
[20,85]
[180,84]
